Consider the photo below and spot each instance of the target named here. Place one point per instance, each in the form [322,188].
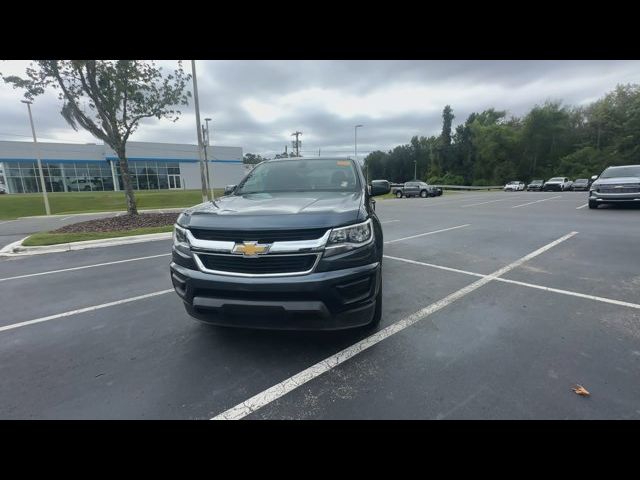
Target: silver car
[616,185]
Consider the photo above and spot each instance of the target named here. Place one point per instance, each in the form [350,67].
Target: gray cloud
[257,104]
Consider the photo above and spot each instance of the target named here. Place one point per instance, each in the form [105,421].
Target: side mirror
[379,187]
[595,177]
[229,189]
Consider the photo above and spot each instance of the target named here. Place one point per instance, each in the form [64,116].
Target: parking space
[470,326]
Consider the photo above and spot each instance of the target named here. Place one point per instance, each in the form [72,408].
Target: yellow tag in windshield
[342,163]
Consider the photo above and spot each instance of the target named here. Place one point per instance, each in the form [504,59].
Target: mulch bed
[122,222]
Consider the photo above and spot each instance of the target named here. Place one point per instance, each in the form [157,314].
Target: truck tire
[398,194]
[593,204]
[423,193]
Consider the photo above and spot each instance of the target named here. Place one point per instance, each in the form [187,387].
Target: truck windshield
[630,171]
[301,175]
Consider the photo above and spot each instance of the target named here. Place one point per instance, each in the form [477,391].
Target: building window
[24,177]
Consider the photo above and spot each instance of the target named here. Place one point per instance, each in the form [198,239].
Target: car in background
[558,184]
[535,185]
[581,184]
[514,187]
[2,191]
[616,185]
[416,189]
[82,184]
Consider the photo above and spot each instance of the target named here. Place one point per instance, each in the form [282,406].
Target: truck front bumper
[332,300]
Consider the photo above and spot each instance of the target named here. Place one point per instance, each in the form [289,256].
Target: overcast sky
[256,105]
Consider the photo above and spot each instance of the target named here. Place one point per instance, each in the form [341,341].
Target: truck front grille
[630,189]
[261,265]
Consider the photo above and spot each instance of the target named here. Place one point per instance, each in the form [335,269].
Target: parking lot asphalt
[495,305]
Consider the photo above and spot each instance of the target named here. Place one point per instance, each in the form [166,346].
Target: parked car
[514,187]
[416,189]
[581,184]
[616,185]
[83,185]
[535,185]
[559,184]
[296,245]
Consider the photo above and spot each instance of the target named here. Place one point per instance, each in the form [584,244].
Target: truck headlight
[180,237]
[350,237]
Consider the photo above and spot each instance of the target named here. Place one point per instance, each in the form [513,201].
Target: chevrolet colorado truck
[296,245]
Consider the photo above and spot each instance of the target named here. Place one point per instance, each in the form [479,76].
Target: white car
[558,184]
[514,187]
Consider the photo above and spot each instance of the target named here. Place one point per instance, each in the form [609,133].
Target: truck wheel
[398,194]
[593,205]
[423,194]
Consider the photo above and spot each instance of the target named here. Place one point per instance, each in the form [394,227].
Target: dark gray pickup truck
[416,189]
[296,245]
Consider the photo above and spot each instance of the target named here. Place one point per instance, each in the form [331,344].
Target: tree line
[552,139]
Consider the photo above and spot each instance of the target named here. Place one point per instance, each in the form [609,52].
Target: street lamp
[355,129]
[206,161]
[35,142]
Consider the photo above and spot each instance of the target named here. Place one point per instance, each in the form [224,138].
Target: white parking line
[8,221]
[427,233]
[490,201]
[537,201]
[582,206]
[523,284]
[279,390]
[83,310]
[389,221]
[49,272]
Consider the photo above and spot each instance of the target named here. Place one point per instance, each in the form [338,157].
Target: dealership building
[71,167]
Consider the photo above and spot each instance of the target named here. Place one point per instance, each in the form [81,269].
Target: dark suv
[296,245]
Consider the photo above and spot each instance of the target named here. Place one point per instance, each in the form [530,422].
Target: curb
[16,249]
[153,210]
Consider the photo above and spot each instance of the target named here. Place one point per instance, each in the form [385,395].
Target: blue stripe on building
[133,159]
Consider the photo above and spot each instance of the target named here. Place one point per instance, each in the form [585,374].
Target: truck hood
[617,181]
[277,210]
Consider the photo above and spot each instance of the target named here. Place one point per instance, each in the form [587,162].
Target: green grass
[46,238]
[28,204]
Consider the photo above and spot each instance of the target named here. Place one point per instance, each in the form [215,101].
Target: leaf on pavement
[580,390]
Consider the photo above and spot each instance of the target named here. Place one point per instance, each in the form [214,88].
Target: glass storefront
[147,175]
[23,177]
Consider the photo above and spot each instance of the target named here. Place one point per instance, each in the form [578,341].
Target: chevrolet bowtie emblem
[251,249]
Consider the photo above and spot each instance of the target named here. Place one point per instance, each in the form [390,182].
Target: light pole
[35,142]
[205,193]
[355,129]
[206,161]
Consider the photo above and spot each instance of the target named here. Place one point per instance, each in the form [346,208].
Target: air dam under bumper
[333,300]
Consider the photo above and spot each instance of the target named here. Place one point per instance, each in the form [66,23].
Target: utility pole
[415,169]
[318,152]
[297,144]
[209,180]
[356,148]
[203,179]
[47,209]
